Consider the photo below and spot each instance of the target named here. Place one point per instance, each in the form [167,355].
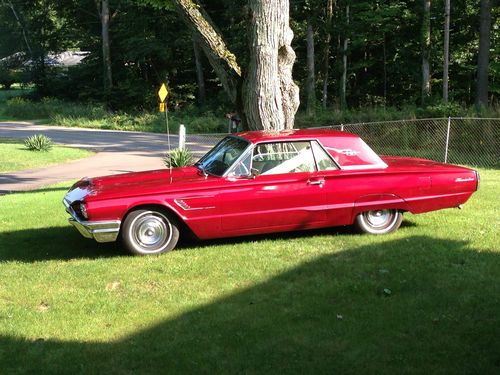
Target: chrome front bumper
[101,231]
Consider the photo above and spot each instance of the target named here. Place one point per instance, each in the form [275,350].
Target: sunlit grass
[14,156]
[422,300]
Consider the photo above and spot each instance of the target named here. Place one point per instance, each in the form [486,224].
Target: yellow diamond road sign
[163,92]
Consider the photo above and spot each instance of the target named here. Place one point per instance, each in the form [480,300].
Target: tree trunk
[267,98]
[22,25]
[343,80]
[446,61]
[106,55]
[200,79]
[385,69]
[426,51]
[484,54]
[311,79]
[270,96]
[326,53]
[220,57]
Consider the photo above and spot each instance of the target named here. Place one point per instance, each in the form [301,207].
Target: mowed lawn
[423,300]
[14,156]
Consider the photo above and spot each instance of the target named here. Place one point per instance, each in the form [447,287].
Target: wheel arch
[383,201]
[185,230]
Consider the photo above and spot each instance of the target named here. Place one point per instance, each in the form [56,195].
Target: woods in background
[350,54]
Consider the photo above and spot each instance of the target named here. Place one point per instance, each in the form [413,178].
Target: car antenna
[162,94]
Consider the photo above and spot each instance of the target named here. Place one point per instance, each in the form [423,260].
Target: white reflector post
[182,137]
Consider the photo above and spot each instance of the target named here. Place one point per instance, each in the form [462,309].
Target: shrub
[38,142]
[178,158]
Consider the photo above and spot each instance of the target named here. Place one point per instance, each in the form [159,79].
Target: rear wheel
[379,221]
[148,232]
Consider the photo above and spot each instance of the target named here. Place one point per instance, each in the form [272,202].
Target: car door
[285,192]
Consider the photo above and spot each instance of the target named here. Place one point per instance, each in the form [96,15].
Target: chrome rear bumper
[101,231]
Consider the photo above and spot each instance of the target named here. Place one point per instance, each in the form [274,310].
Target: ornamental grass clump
[178,158]
[38,142]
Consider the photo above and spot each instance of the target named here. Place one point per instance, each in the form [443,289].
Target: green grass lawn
[425,299]
[14,156]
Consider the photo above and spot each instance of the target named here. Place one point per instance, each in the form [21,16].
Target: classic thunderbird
[262,182]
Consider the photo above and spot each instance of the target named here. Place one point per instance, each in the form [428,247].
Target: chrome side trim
[186,207]
[101,231]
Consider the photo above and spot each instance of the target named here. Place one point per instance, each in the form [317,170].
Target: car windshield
[219,159]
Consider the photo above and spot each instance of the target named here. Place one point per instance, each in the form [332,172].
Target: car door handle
[316,182]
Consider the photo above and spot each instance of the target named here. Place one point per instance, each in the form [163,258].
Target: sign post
[162,94]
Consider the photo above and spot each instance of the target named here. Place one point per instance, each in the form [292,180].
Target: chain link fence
[467,141]
[456,140]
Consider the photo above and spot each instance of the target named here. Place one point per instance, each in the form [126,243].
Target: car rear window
[354,153]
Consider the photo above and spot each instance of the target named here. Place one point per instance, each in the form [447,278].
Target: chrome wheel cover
[379,219]
[151,232]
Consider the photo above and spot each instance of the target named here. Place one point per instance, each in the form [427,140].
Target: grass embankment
[201,119]
[422,300]
[14,156]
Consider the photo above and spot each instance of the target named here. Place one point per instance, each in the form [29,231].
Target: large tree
[426,50]
[484,54]
[265,95]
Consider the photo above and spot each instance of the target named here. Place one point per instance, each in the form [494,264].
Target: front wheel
[379,221]
[148,232]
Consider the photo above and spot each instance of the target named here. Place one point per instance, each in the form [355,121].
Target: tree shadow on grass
[65,243]
[372,309]
[60,243]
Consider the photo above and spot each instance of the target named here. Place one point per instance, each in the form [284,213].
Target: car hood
[140,183]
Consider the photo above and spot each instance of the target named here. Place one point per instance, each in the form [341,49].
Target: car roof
[267,136]
[347,149]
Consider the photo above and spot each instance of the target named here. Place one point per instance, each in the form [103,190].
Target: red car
[262,182]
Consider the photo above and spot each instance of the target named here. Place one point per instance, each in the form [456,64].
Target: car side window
[283,157]
[323,160]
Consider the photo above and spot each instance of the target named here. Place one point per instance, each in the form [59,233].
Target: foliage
[15,157]
[74,114]
[38,142]
[178,158]
[252,304]
[150,44]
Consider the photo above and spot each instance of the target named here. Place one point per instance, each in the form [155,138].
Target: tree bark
[200,79]
[385,68]
[270,96]
[484,54]
[426,51]
[267,98]
[446,42]
[311,79]
[106,54]
[343,80]
[326,53]
[220,57]
[21,24]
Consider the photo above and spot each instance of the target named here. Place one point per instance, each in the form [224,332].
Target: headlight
[83,210]
[478,178]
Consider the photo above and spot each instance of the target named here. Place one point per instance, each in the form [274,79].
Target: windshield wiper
[201,168]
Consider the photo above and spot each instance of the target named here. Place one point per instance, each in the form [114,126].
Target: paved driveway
[117,152]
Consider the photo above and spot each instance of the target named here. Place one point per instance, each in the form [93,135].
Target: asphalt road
[117,152]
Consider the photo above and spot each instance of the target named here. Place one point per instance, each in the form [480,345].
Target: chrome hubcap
[152,231]
[379,218]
